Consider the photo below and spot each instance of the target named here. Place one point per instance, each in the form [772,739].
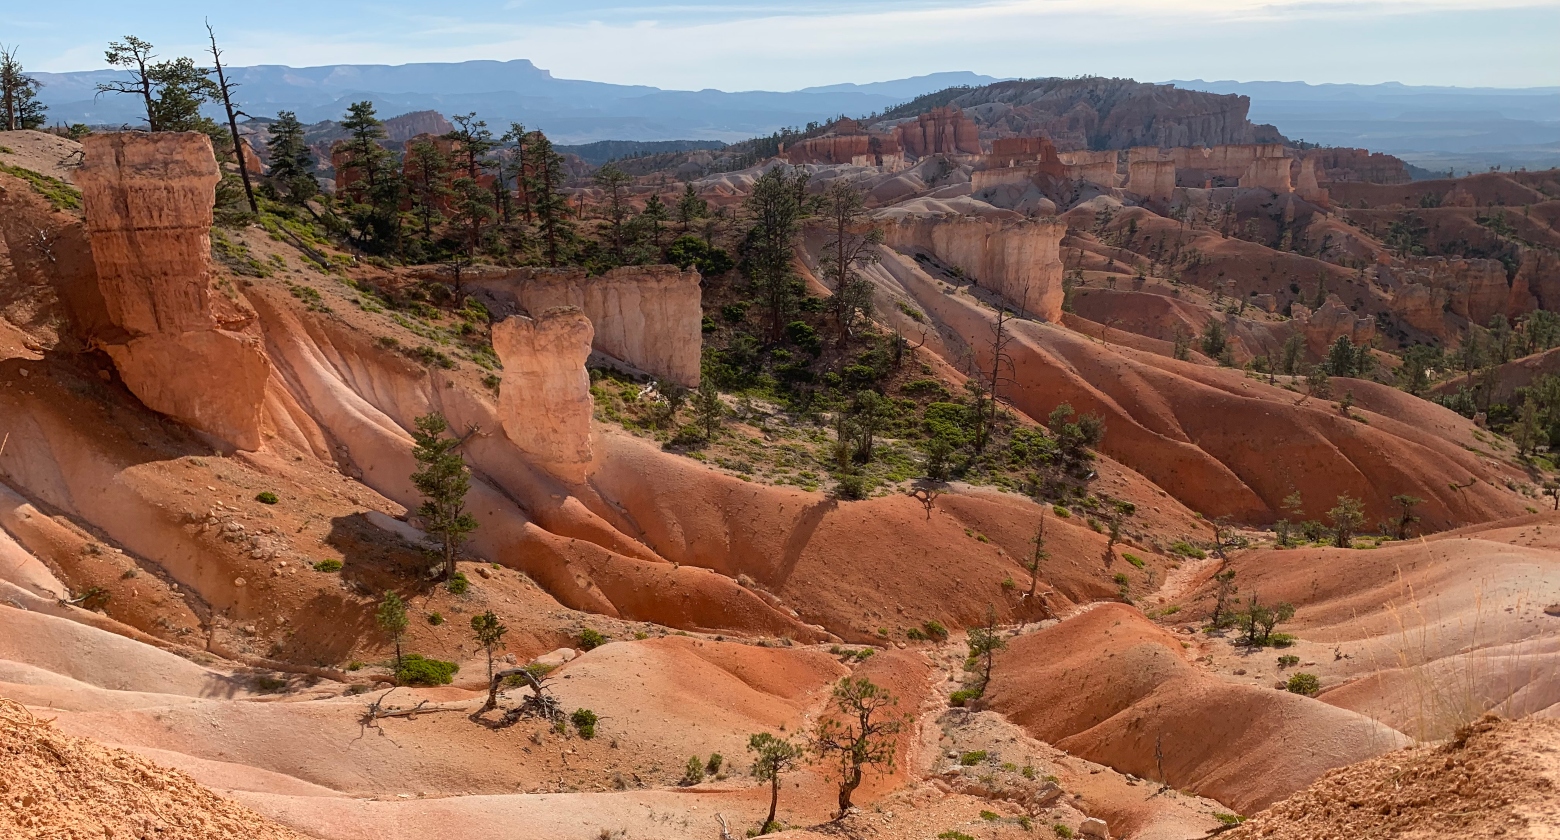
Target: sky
[774,45]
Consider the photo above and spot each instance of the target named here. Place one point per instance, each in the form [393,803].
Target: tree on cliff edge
[19,105]
[171,91]
[443,481]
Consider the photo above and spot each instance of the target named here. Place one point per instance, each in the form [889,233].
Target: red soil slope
[1110,686]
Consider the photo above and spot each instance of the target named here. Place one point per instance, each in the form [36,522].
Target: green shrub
[950,834]
[693,773]
[851,487]
[1028,771]
[329,565]
[418,670]
[935,630]
[1008,585]
[585,721]
[435,618]
[590,639]
[1132,558]
[457,584]
[963,696]
[1303,683]
[1061,512]
[990,816]
[712,767]
[267,498]
[1280,640]
[914,634]
[1186,549]
[972,758]
[1229,819]
[1288,660]
[1062,831]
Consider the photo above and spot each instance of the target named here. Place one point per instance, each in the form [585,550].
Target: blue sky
[771,45]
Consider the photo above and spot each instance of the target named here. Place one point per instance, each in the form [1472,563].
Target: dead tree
[538,704]
[927,497]
[226,89]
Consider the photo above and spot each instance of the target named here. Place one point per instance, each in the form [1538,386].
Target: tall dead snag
[226,89]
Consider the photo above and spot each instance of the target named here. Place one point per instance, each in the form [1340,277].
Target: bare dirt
[1494,778]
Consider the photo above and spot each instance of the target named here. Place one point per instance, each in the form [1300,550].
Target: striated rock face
[1152,178]
[544,399]
[647,317]
[1473,289]
[148,200]
[1271,173]
[1112,114]
[1331,320]
[1098,168]
[939,131]
[1358,165]
[407,126]
[1015,257]
[1309,186]
[847,142]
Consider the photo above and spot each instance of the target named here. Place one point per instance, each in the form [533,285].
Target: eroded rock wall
[646,316]
[1015,257]
[1330,321]
[1153,179]
[148,202]
[544,399]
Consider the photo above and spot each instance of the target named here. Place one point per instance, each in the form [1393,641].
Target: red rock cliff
[148,200]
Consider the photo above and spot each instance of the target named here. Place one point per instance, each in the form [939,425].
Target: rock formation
[847,143]
[647,317]
[1098,168]
[148,200]
[1473,289]
[1269,173]
[1153,179]
[1335,165]
[945,131]
[544,398]
[1112,114]
[1309,185]
[1331,320]
[1015,257]
[408,126]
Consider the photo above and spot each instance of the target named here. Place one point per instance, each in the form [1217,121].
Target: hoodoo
[179,343]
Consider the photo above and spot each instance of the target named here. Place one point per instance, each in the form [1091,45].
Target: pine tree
[489,632]
[443,480]
[374,211]
[19,105]
[777,210]
[772,757]
[856,733]
[391,618]
[292,164]
[691,208]
[615,182]
[427,170]
[545,183]
[844,209]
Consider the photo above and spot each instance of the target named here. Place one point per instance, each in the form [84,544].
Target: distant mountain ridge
[1435,127]
[569,110]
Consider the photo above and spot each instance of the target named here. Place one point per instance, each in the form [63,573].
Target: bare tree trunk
[227,102]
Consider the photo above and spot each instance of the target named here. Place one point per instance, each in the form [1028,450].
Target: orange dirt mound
[1496,778]
[55,787]
[1110,686]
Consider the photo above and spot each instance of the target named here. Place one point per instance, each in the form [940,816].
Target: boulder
[1094,827]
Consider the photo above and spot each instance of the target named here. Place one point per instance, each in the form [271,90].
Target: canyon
[696,517]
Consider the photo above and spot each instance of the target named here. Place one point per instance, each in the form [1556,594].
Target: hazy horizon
[738,46]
